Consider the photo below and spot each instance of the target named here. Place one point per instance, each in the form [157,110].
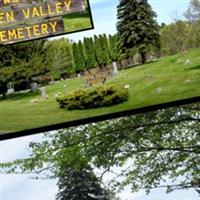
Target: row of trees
[97,52]
[180,36]
[44,61]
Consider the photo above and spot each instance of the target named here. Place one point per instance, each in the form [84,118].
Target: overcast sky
[21,187]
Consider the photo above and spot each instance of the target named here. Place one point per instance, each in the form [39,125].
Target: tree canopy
[149,148]
[137,27]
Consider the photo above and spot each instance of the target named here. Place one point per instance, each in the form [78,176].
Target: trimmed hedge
[93,97]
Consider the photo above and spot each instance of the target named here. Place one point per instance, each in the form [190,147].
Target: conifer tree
[137,27]
[79,57]
[114,53]
[80,184]
[98,50]
[106,49]
[102,50]
[76,56]
[90,53]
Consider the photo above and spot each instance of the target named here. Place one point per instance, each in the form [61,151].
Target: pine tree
[80,184]
[90,53]
[137,27]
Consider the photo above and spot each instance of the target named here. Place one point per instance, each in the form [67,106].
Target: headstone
[115,69]
[34,87]
[10,88]
[43,93]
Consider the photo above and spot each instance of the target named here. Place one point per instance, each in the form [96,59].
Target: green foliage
[82,56]
[99,51]
[168,79]
[137,27]
[20,62]
[176,37]
[102,50]
[80,184]
[180,36]
[105,47]
[90,53]
[79,57]
[151,147]
[93,97]
[114,53]
[59,58]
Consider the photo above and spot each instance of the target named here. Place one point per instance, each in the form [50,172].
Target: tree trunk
[144,59]
[4,95]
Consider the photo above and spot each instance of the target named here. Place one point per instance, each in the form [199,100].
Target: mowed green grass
[171,76]
[77,22]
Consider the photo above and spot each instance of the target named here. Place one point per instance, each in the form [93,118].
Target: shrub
[93,97]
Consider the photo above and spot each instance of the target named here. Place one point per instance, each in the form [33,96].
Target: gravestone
[34,87]
[43,93]
[115,69]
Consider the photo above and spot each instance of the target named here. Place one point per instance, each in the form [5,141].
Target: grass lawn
[77,21]
[171,78]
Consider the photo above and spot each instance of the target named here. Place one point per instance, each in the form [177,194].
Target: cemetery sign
[22,20]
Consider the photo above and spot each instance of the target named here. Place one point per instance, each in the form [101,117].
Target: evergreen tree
[99,51]
[80,184]
[102,50]
[106,50]
[76,56]
[79,57]
[90,53]
[114,53]
[82,60]
[137,27]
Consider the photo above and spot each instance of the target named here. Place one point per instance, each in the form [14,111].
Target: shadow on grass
[19,95]
[139,64]
[197,67]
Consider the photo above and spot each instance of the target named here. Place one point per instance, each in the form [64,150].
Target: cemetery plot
[147,85]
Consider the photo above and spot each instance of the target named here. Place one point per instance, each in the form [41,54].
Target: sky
[22,187]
